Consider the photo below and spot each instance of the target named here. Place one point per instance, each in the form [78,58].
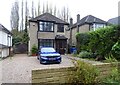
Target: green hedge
[100,41]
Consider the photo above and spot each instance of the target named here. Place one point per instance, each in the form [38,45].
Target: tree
[50,9]
[43,10]
[33,9]
[55,10]
[39,8]
[22,18]
[64,14]
[47,8]
[26,14]
[14,18]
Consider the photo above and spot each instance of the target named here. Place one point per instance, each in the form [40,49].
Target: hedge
[100,41]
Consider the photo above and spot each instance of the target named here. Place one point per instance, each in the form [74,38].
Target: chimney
[78,17]
[71,21]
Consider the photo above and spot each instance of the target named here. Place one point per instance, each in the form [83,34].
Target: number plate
[51,58]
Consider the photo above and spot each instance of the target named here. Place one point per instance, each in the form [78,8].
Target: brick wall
[60,75]
[56,75]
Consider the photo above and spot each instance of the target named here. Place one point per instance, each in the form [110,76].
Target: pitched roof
[115,20]
[89,19]
[2,28]
[48,17]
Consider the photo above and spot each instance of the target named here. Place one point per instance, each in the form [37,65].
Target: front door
[61,46]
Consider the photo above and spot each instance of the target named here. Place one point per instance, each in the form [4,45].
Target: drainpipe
[71,23]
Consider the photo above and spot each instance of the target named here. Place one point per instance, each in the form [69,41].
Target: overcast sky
[103,9]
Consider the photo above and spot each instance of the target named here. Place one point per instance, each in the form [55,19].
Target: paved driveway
[18,68]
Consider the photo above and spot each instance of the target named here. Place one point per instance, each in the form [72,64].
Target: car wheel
[38,57]
[40,61]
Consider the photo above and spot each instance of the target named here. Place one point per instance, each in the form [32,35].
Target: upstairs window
[60,28]
[46,26]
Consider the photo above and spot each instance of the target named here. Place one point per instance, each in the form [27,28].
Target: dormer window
[46,26]
[60,28]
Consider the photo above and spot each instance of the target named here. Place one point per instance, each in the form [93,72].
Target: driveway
[18,68]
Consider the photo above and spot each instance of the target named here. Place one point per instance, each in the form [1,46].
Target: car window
[47,50]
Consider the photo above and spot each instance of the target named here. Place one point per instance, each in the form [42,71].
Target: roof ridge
[87,18]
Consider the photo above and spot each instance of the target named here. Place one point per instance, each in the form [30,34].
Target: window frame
[44,27]
[41,41]
[60,25]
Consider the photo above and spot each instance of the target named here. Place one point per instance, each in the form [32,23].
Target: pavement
[17,69]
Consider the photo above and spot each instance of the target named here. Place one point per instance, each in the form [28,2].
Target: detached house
[48,30]
[5,42]
[86,24]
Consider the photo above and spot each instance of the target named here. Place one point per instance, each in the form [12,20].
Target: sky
[103,9]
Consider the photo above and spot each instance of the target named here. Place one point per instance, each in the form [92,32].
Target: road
[18,69]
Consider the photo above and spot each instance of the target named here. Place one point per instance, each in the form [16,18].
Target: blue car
[48,55]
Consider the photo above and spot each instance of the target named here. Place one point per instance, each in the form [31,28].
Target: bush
[84,54]
[82,41]
[116,50]
[113,77]
[85,74]
[34,49]
[110,58]
[99,41]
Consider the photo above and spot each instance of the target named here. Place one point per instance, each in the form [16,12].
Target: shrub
[84,54]
[85,74]
[82,41]
[113,77]
[34,49]
[110,58]
[116,50]
[99,41]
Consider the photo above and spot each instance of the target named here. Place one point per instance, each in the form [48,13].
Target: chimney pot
[78,17]
[71,21]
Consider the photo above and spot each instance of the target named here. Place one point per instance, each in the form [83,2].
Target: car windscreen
[47,50]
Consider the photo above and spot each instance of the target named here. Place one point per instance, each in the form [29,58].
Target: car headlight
[58,57]
[43,57]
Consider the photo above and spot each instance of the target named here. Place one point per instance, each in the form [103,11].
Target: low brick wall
[106,68]
[60,75]
[55,75]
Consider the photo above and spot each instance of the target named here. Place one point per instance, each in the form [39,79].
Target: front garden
[100,45]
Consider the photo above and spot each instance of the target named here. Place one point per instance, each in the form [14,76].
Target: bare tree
[47,8]
[39,8]
[67,15]
[26,14]
[22,18]
[33,9]
[64,14]
[14,18]
[55,10]
[50,9]
[43,10]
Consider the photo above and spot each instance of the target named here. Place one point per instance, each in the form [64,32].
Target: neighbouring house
[114,21]
[48,30]
[86,24]
[5,42]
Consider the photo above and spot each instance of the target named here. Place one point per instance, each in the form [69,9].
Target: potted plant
[34,50]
